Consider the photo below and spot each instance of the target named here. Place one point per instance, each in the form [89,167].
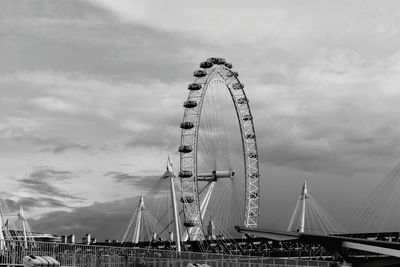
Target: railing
[77,255]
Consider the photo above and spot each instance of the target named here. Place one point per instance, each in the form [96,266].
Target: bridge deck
[113,256]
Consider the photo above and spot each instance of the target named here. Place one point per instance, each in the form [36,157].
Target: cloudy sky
[91,96]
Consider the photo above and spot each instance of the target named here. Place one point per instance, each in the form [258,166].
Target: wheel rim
[217,75]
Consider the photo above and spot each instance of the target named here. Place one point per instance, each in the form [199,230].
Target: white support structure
[136,233]
[2,241]
[211,233]
[203,209]
[21,216]
[309,217]
[174,205]
[303,197]
[14,226]
[206,200]
[290,226]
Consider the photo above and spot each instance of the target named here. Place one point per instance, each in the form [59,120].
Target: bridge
[208,211]
[218,187]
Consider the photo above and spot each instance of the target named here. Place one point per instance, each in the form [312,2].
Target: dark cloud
[102,220]
[57,40]
[48,173]
[138,181]
[29,203]
[44,188]
[327,131]
[304,101]
[163,132]
[48,9]
[52,144]
[155,138]
[41,182]
[344,156]
[65,147]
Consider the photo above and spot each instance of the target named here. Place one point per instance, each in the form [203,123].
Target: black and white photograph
[220,133]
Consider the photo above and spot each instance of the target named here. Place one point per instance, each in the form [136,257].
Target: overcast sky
[91,99]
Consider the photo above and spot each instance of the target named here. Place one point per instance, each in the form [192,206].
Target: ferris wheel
[219,169]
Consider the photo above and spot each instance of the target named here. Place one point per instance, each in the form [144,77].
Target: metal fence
[77,255]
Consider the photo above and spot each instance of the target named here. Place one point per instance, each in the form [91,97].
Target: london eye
[219,168]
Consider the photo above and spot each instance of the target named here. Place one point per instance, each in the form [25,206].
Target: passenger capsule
[250,136]
[228,65]
[194,86]
[199,73]
[187,125]
[206,64]
[233,74]
[242,100]
[247,117]
[237,86]
[187,199]
[190,104]
[213,60]
[253,155]
[185,174]
[221,61]
[185,149]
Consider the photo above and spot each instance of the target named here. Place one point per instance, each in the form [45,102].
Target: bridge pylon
[309,217]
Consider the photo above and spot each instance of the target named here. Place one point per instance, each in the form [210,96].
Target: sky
[91,95]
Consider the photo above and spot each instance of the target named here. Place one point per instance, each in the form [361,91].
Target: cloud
[102,220]
[51,174]
[47,9]
[72,107]
[29,203]
[54,104]
[260,18]
[40,183]
[44,188]
[138,181]
[83,39]
[104,81]
[284,24]
[18,134]
[166,138]
[337,115]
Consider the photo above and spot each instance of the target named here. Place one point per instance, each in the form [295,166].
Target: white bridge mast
[169,173]
[136,232]
[302,201]
[303,207]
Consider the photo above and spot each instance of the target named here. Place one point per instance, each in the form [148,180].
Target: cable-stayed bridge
[211,205]
[217,186]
